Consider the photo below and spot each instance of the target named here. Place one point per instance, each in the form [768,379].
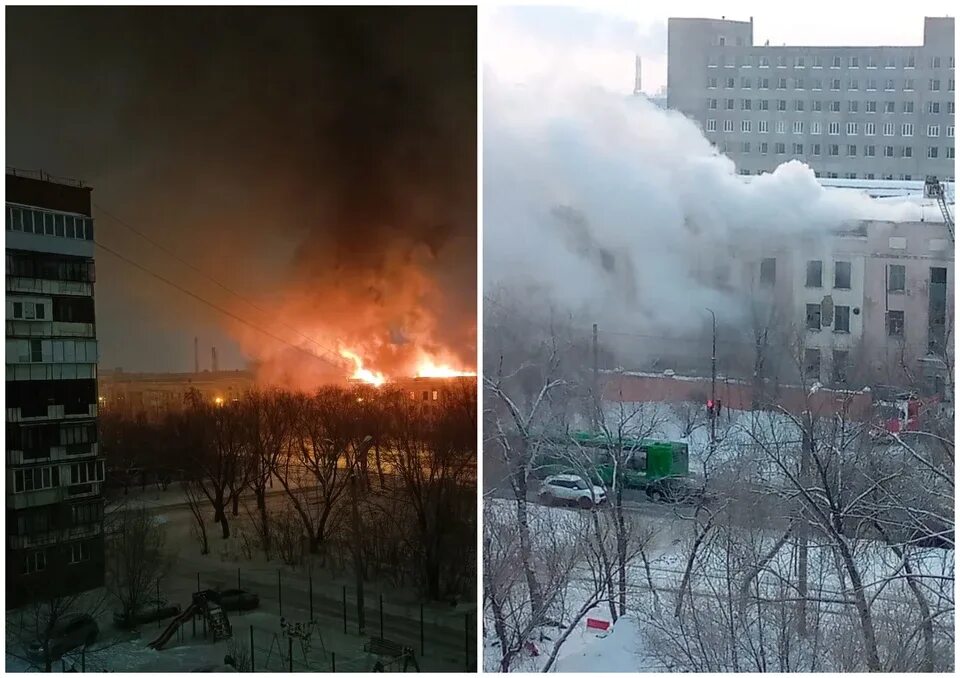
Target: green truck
[646,460]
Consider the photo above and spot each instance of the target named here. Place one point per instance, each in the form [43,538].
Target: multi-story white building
[848,112]
[54,466]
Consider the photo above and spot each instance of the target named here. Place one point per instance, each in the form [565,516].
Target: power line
[209,303]
[209,277]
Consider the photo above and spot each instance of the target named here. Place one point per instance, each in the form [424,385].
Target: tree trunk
[526,557]
[221,517]
[264,520]
[236,504]
[621,550]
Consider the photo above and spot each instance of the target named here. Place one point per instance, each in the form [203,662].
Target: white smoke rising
[596,204]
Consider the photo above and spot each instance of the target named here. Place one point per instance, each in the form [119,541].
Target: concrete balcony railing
[26,541]
[45,286]
[56,453]
[53,412]
[31,329]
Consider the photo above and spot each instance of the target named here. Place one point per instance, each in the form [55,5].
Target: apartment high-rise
[848,112]
[54,467]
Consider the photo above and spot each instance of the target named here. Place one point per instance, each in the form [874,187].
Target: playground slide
[168,632]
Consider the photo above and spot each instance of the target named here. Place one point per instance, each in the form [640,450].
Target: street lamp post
[713,387]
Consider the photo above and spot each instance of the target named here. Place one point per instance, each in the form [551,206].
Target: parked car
[566,489]
[69,632]
[145,615]
[235,599]
[677,490]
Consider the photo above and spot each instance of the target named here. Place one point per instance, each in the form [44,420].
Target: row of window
[819,61]
[815,127]
[816,320]
[834,151]
[50,267]
[834,84]
[841,364]
[42,520]
[36,441]
[846,175]
[34,397]
[45,477]
[841,274]
[36,561]
[834,106]
[42,222]
[65,309]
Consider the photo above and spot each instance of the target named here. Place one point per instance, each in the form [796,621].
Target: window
[813,317]
[711,125]
[851,129]
[932,152]
[889,85]
[728,104]
[933,130]
[833,150]
[798,149]
[841,319]
[800,62]
[951,85]
[83,514]
[781,83]
[780,126]
[908,85]
[781,104]
[896,278]
[763,126]
[763,104]
[711,83]
[933,107]
[36,478]
[950,132]
[92,471]
[833,128]
[870,151]
[934,85]
[891,62]
[853,106]
[853,62]
[935,62]
[35,562]
[816,106]
[798,105]
[763,147]
[841,275]
[745,126]
[745,104]
[911,62]
[818,62]
[814,273]
[836,62]
[36,351]
[907,152]
[763,83]
[840,366]
[889,106]
[888,152]
[764,62]
[780,148]
[817,84]
[799,83]
[871,61]
[853,84]
[816,149]
[835,84]
[888,129]
[871,84]
[731,83]
[850,175]
[895,323]
[951,108]
[728,125]
[908,107]
[851,150]
[906,129]
[871,107]
[950,152]
[815,127]
[781,61]
[79,552]
[798,127]
[712,61]
[744,146]
[768,272]
[869,129]
[834,106]
[745,83]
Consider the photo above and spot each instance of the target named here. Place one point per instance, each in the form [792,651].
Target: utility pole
[713,388]
[363,448]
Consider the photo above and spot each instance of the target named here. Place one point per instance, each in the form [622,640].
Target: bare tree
[135,558]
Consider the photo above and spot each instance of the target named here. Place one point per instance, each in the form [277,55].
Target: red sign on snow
[597,624]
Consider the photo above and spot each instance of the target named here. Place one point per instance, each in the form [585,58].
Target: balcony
[56,453]
[53,495]
[44,329]
[54,536]
[49,287]
[53,412]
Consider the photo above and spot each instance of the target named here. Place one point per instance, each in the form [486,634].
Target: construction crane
[934,189]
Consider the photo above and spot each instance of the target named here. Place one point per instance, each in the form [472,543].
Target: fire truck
[905,411]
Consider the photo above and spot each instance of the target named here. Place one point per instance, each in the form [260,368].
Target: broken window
[840,367]
[813,317]
[841,319]
[895,323]
[768,272]
[811,363]
[896,278]
[841,275]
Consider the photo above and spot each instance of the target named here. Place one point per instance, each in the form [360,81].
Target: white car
[570,489]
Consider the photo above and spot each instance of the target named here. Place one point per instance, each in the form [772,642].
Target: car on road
[567,489]
[676,490]
[68,633]
[145,615]
[235,599]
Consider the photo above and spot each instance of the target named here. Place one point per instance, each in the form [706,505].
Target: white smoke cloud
[596,203]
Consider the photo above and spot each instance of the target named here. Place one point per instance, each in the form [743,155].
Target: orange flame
[360,372]
[428,368]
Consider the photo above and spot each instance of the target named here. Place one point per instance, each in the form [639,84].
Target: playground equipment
[393,652]
[216,618]
[302,633]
